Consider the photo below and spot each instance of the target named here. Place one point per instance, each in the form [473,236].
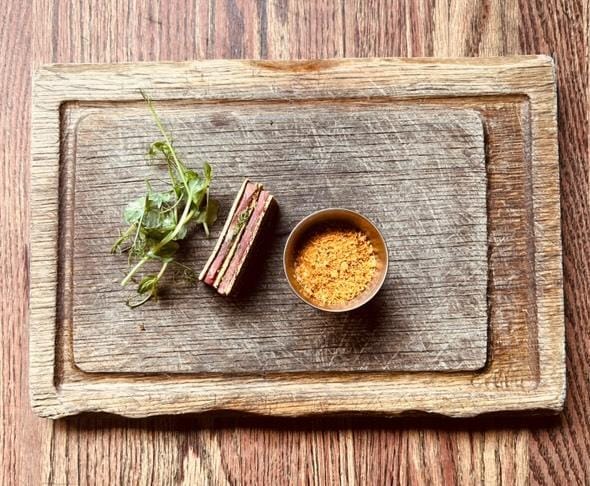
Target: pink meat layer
[227,242]
[244,244]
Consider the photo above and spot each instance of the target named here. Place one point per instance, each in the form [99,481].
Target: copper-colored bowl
[336,216]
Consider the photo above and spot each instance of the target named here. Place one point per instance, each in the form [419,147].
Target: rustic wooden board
[418,173]
[516,100]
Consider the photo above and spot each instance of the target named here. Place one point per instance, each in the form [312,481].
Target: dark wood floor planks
[560,454]
[20,430]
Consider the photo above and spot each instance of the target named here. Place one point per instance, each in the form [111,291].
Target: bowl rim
[297,229]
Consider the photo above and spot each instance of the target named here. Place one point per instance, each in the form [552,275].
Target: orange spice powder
[335,264]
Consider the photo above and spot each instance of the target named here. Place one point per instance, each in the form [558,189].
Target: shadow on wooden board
[224,420]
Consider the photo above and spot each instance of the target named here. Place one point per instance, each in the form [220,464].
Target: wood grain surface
[107,450]
[418,173]
[516,103]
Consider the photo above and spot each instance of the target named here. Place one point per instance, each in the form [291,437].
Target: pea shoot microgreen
[158,220]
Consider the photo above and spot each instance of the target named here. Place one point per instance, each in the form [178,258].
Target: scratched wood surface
[418,173]
[107,450]
[515,98]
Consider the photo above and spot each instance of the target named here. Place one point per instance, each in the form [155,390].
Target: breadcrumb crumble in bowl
[335,260]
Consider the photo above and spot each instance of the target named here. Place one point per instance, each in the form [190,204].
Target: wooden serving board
[418,173]
[456,162]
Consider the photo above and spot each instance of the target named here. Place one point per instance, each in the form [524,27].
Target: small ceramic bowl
[335,216]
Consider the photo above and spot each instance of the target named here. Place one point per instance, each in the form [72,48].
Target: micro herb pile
[158,220]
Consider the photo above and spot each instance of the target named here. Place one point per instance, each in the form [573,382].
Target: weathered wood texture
[419,173]
[106,450]
[516,101]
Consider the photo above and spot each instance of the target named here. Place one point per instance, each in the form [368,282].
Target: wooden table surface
[249,450]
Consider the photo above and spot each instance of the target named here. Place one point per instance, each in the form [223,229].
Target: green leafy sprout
[159,219]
